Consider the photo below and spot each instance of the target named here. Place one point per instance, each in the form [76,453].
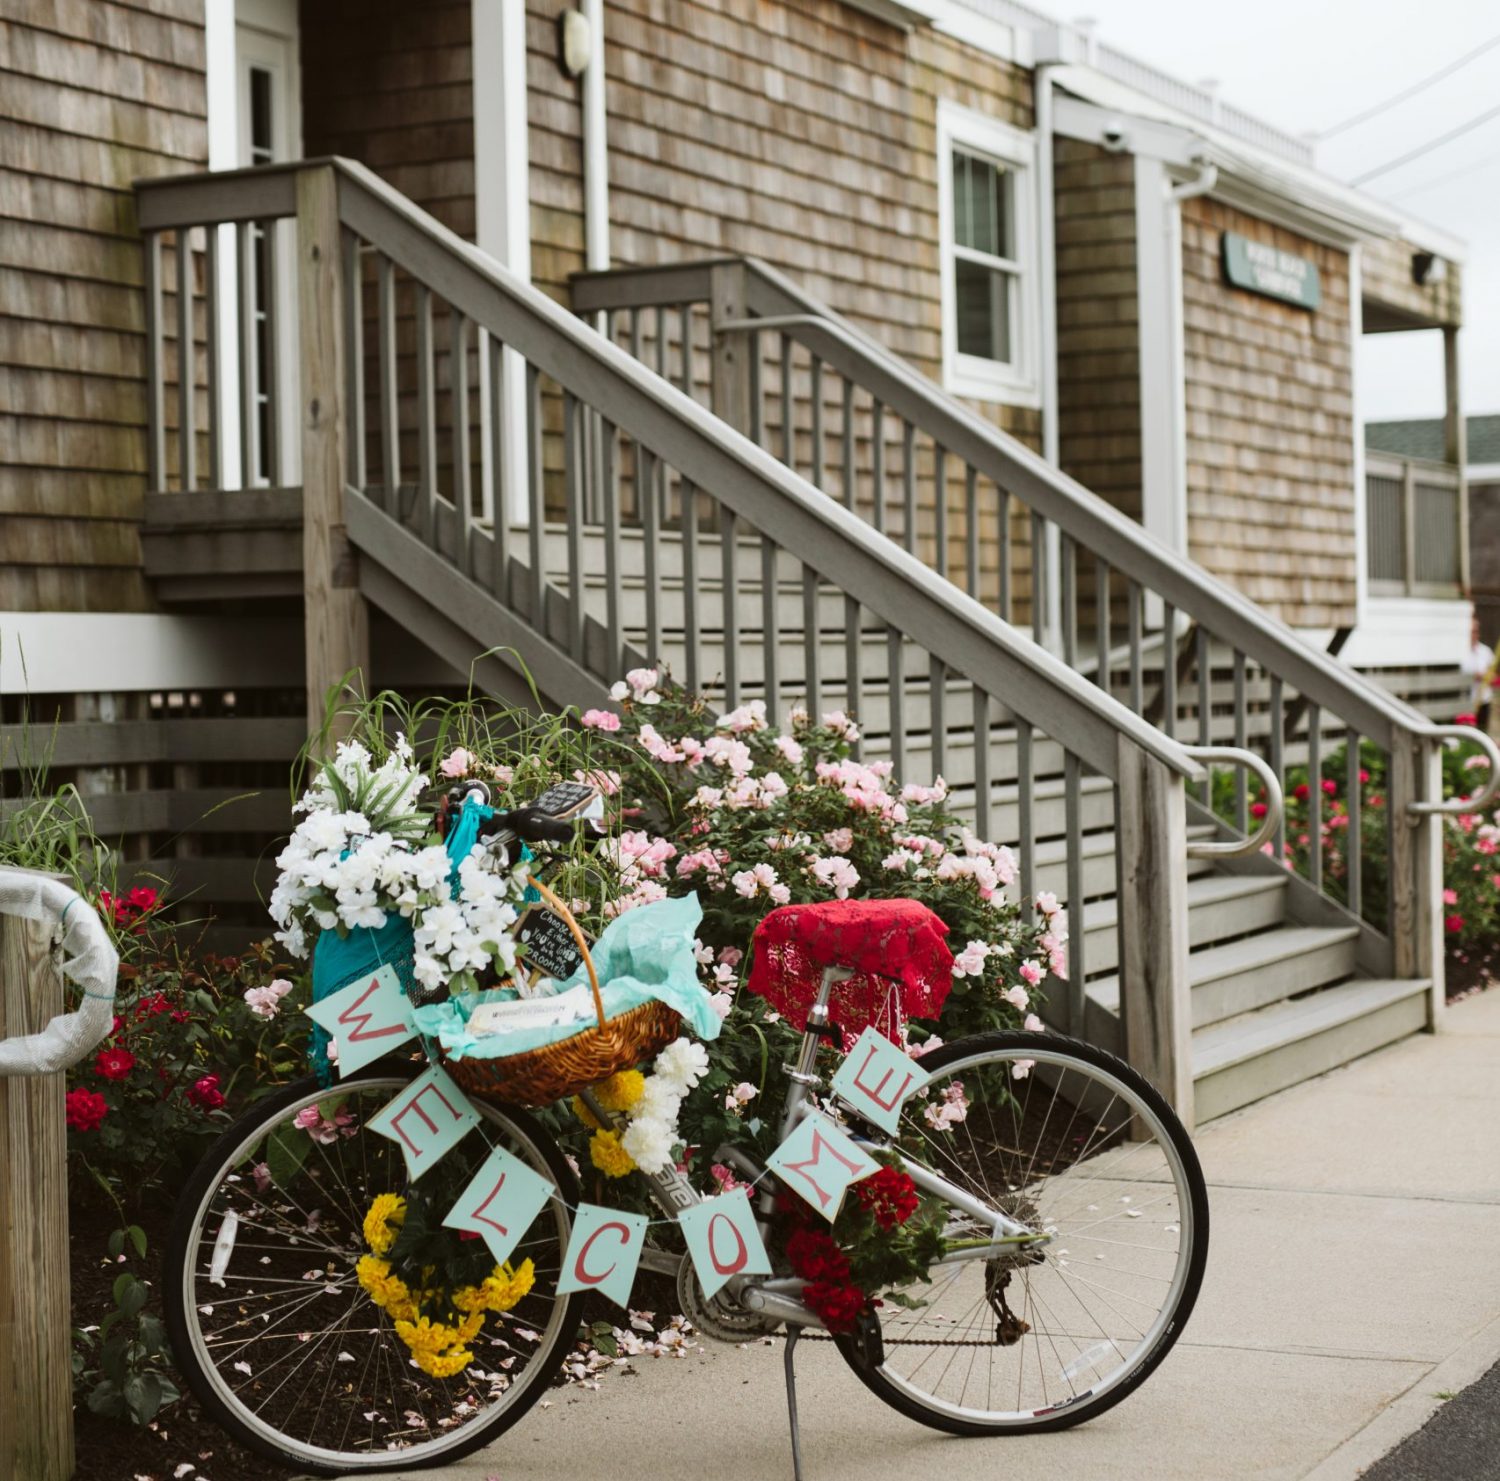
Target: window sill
[972,385]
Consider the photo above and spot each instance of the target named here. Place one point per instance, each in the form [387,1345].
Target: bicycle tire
[1070,1413]
[177,1274]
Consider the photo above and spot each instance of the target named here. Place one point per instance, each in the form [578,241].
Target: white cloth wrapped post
[89,960]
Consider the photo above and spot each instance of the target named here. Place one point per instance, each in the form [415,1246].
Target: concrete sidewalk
[1353,1275]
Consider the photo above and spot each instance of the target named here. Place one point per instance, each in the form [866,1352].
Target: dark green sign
[1271,272]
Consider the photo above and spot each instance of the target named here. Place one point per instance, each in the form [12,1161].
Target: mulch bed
[1472,971]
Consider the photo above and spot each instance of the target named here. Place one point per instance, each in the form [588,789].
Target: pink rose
[600,720]
[458,763]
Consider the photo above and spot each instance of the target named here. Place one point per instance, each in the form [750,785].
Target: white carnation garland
[652,1136]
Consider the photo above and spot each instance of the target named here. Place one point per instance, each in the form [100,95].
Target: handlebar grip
[532,826]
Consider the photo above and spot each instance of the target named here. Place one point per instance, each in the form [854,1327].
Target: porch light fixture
[575,42]
[1427,267]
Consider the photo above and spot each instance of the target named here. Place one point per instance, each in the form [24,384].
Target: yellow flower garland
[606,1153]
[440,1349]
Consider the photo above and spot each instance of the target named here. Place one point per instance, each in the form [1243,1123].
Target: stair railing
[1180,648]
[648,519]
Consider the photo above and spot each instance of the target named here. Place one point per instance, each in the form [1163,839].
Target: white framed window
[987,222]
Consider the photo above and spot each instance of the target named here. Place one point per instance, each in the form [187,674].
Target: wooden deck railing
[1180,648]
[1417,521]
[735,563]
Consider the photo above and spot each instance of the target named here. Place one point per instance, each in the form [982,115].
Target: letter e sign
[876,1078]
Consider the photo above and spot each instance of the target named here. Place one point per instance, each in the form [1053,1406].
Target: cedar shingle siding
[1270,431]
[93,93]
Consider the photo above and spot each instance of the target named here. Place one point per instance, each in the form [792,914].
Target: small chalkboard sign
[547,944]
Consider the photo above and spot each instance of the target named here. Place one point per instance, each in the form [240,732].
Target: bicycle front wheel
[1071,1142]
[270,1325]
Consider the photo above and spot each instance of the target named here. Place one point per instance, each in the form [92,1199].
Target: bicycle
[1076,1216]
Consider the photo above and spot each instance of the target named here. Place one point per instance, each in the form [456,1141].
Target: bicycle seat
[895,950]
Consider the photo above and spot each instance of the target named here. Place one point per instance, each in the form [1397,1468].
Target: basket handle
[558,908]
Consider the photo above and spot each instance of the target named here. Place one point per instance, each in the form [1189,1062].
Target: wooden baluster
[536,497]
[853,667]
[971,529]
[1136,640]
[691,622]
[609,492]
[458,387]
[354,358]
[981,763]
[1039,577]
[1025,787]
[1007,611]
[1069,557]
[573,492]
[685,330]
[213,347]
[909,481]
[940,509]
[1353,801]
[1315,796]
[1277,758]
[812,642]
[1073,828]
[1102,624]
[156,417]
[187,369]
[729,582]
[426,420]
[390,390]
[1169,669]
[788,406]
[249,357]
[647,472]
[1205,707]
[499,514]
[1241,780]
[850,489]
[770,623]
[937,697]
[816,477]
[877,463]
[757,390]
[896,665]
[272,387]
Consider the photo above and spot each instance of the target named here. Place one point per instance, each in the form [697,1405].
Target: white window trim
[1018,384]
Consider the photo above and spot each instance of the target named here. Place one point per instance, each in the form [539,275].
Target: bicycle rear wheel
[1072,1142]
[270,1325]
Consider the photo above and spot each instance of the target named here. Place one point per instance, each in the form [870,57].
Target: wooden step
[1242,1059]
[1255,971]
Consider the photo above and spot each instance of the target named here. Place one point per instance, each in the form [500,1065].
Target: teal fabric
[645,953]
[340,958]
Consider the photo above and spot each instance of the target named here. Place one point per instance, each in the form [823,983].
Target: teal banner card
[500,1203]
[426,1120]
[723,1240]
[876,1078]
[603,1252]
[368,1018]
[818,1162]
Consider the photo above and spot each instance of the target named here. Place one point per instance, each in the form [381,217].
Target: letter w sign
[370,1017]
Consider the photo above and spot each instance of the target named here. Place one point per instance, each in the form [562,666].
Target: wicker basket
[538,1077]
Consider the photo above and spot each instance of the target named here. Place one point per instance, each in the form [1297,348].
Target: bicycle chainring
[719,1318]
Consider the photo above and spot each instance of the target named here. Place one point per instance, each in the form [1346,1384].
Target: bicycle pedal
[869,1341]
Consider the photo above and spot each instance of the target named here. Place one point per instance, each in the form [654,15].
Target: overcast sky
[1309,66]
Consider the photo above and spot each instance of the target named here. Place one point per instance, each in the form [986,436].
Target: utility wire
[1429,146]
[1410,92]
[1474,169]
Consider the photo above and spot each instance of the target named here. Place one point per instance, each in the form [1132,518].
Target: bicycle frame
[775,1296]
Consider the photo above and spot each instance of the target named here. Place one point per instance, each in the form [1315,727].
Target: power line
[1412,91]
[1473,169]
[1429,146]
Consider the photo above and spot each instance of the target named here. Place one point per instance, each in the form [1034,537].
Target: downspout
[595,147]
[1047,250]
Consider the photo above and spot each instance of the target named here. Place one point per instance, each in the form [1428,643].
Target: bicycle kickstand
[792,1334]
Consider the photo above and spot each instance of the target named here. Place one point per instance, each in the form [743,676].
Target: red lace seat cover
[902,966]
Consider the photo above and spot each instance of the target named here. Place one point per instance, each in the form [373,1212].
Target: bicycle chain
[908,1341]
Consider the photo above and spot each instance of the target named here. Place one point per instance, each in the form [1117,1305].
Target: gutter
[595,146]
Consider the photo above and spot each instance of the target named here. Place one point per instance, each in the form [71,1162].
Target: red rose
[1453,924]
[1331,787]
[1258,809]
[150,1007]
[114,1064]
[205,1093]
[1364,776]
[839,1305]
[1301,792]
[142,897]
[85,1109]
[1466,719]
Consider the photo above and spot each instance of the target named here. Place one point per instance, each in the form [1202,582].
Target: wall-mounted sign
[1271,272]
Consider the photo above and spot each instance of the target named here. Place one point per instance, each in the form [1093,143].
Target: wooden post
[337,637]
[1416,871]
[1456,446]
[36,1385]
[728,282]
[1151,862]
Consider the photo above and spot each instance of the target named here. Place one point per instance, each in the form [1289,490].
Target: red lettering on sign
[740,1260]
[580,1272]
[478,1215]
[874,1092]
[351,1014]
[821,1144]
[415,1104]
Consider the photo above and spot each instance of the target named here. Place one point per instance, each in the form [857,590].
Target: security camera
[1114,136]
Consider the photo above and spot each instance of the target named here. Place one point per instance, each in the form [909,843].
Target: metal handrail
[1093,523]
[1275,803]
[1486,794]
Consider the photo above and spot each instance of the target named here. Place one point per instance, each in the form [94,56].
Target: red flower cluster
[205,1093]
[815,1255]
[85,1109]
[1453,924]
[889,1197]
[128,911]
[114,1063]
